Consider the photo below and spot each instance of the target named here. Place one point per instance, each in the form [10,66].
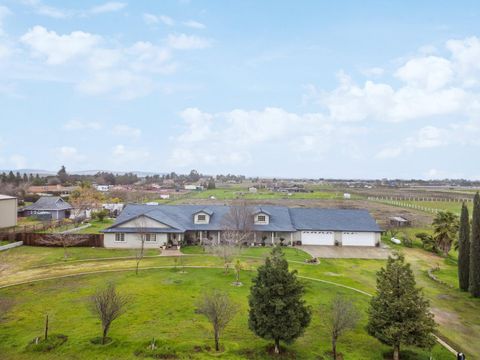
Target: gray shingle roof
[282,219]
[49,203]
[333,219]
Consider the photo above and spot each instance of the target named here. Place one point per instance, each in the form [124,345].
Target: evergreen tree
[464,249]
[474,278]
[277,310]
[62,175]
[398,313]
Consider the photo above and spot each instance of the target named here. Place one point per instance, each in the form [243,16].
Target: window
[150,237]
[262,218]
[120,237]
[201,217]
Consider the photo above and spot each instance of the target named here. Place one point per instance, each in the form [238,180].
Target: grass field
[96,226]
[156,302]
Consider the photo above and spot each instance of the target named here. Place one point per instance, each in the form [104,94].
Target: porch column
[254,237]
[218,238]
[291,239]
[273,238]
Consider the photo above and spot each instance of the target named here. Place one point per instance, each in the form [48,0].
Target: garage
[318,238]
[351,238]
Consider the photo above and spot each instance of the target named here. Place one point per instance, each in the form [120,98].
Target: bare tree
[237,224]
[238,268]
[85,198]
[63,240]
[219,310]
[108,305]
[343,316]
[237,227]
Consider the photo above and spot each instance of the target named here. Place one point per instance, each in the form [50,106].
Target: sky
[316,89]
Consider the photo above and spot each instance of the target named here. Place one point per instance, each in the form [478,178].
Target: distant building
[399,221]
[193,187]
[102,188]
[164,196]
[8,211]
[347,196]
[48,208]
[252,189]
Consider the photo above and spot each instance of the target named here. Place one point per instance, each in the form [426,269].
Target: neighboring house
[48,207]
[8,211]
[193,187]
[102,188]
[399,221]
[164,224]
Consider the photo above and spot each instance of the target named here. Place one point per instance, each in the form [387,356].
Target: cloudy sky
[270,88]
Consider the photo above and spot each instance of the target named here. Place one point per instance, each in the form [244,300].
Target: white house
[8,211]
[270,224]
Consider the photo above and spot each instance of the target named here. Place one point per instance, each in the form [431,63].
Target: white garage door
[318,238]
[358,238]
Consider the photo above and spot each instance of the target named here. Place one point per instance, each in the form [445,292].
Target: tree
[211,184]
[428,242]
[84,198]
[238,268]
[343,316]
[63,240]
[398,313]
[219,310]
[108,305]
[445,227]
[474,277]
[277,309]
[62,175]
[141,226]
[464,249]
[237,224]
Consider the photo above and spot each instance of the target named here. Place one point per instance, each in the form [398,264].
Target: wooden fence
[34,239]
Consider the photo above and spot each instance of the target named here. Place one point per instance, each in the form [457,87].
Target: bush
[53,341]
[100,215]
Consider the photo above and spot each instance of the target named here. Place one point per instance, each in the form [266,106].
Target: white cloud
[151,19]
[128,131]
[239,136]
[187,42]
[430,73]
[4,12]
[75,124]
[40,8]
[59,49]
[194,24]
[374,71]
[69,154]
[111,6]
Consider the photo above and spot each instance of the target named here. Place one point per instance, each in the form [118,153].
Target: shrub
[42,345]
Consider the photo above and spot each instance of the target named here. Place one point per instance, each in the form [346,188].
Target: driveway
[346,252]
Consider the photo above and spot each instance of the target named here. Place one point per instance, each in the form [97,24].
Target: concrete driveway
[346,252]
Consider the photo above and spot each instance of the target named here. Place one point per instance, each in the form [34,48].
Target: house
[49,208]
[173,224]
[252,190]
[8,211]
[102,188]
[347,196]
[193,187]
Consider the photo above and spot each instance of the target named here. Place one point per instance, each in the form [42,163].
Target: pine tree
[474,278]
[399,314]
[464,249]
[277,310]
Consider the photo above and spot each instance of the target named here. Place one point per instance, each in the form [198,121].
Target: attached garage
[355,238]
[318,238]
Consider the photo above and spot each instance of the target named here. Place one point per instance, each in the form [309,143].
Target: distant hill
[81,172]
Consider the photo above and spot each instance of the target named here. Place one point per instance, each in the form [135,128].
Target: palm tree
[445,228]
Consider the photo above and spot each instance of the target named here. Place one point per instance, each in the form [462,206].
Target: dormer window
[262,218]
[201,217]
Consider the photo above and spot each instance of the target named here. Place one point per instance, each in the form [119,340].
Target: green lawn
[96,226]
[163,303]
[163,306]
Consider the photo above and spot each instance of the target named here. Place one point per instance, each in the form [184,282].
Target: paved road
[346,252]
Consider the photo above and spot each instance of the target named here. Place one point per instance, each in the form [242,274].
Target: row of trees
[469,249]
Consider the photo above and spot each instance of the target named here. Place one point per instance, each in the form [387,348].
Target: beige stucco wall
[8,212]
[132,241]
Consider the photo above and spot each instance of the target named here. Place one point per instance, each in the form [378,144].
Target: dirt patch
[444,317]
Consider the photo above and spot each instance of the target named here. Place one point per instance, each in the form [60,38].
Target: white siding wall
[143,221]
[206,221]
[258,222]
[132,241]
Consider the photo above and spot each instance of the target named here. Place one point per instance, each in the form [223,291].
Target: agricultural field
[163,303]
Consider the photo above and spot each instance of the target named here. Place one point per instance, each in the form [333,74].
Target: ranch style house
[160,225]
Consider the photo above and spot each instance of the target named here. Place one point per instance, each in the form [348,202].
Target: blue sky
[343,89]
